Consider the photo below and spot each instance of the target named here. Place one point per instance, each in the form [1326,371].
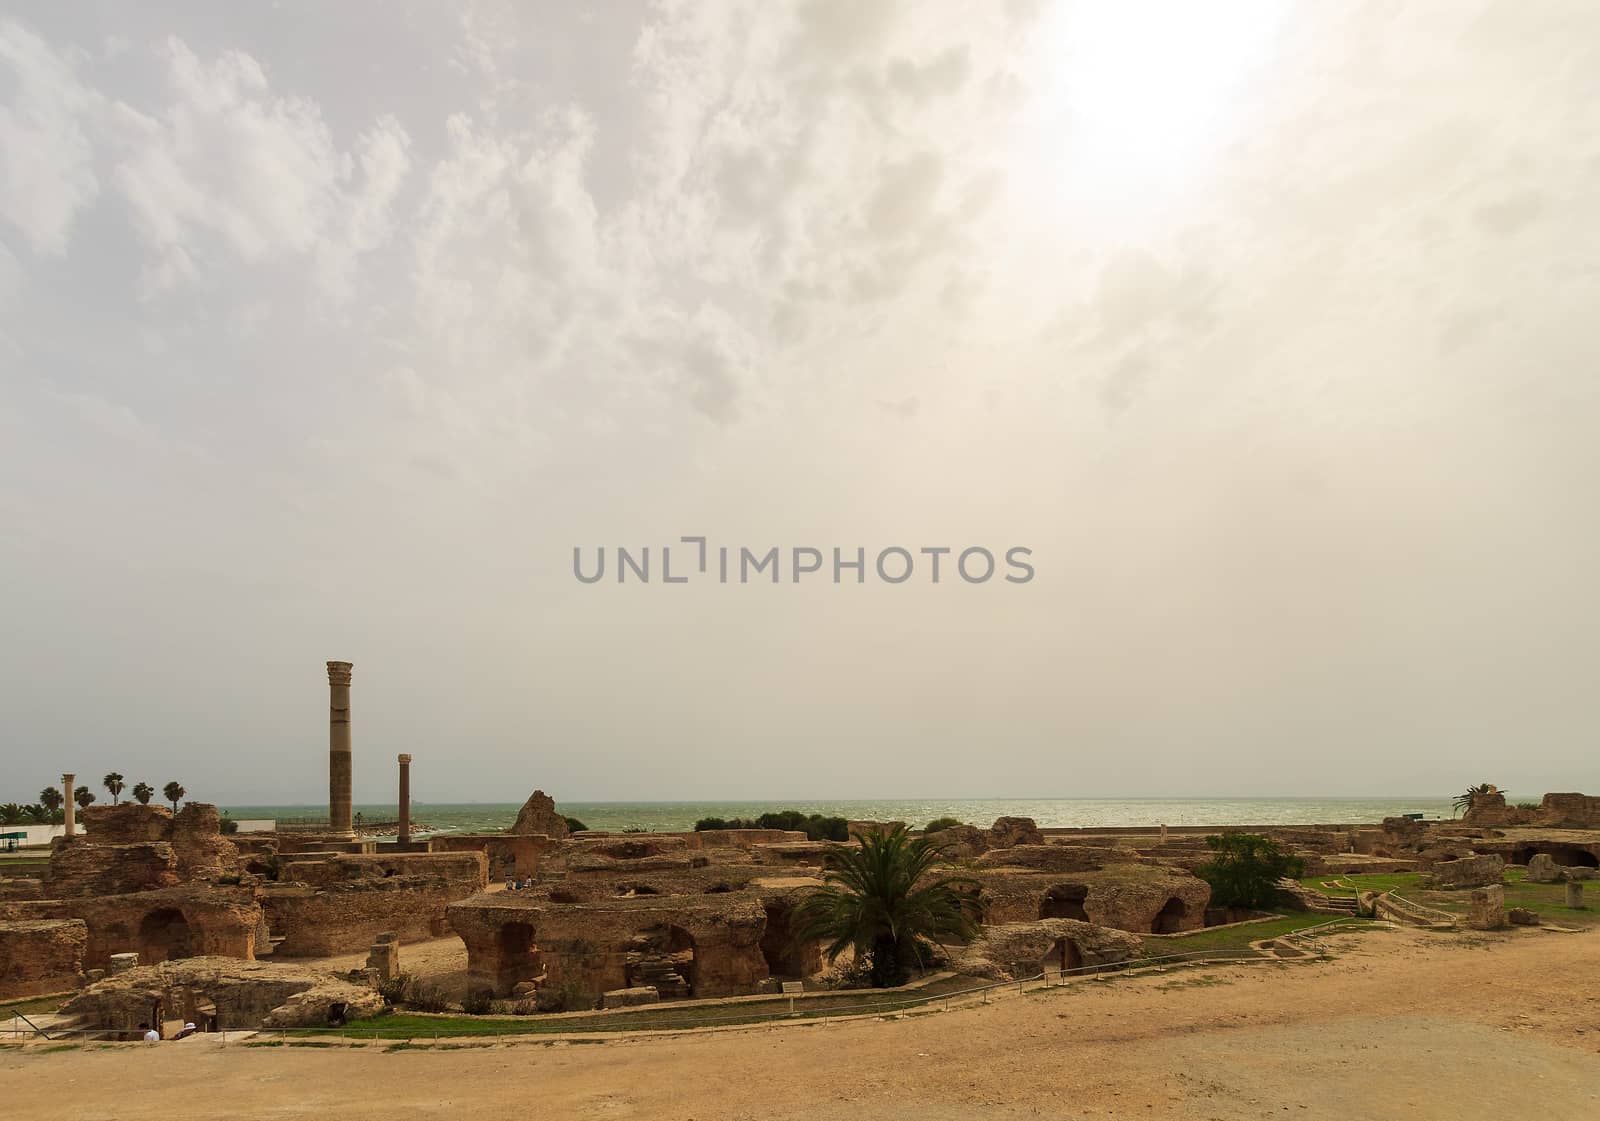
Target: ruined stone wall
[1570,811]
[134,848]
[509,854]
[40,956]
[344,918]
[583,949]
[187,921]
[538,815]
[467,871]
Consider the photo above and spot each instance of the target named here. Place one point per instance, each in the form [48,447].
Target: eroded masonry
[146,915]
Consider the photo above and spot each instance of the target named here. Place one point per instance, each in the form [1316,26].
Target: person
[188,1030]
[150,1034]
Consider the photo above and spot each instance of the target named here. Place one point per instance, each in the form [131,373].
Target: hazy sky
[329,330]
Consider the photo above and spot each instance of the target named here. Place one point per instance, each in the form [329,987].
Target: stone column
[339,766]
[70,807]
[1574,894]
[405,799]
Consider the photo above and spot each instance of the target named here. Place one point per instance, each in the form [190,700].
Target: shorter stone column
[70,806]
[405,799]
[1574,894]
[1488,908]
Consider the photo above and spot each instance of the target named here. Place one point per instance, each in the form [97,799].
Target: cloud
[47,173]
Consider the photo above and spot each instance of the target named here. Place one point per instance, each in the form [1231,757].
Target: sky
[1267,328]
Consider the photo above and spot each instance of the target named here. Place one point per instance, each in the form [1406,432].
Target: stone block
[1488,908]
[1574,894]
[626,998]
[1542,869]
[1521,916]
[1469,871]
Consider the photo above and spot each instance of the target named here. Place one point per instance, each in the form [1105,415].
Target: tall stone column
[405,799]
[339,765]
[70,806]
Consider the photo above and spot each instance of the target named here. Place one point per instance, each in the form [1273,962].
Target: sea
[467,817]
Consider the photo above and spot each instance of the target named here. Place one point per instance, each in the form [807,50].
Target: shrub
[229,826]
[706,823]
[574,825]
[425,997]
[478,1001]
[939,823]
[635,829]
[1245,870]
[393,990]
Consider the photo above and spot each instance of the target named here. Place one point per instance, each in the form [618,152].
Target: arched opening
[1574,858]
[517,954]
[628,890]
[164,936]
[1063,956]
[787,960]
[1064,901]
[1169,920]
[662,958]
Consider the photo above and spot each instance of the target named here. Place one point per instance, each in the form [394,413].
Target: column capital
[406,759]
[339,673]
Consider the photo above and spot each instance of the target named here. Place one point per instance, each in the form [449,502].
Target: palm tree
[173,793]
[1463,801]
[879,900]
[113,783]
[38,814]
[50,798]
[11,814]
[143,792]
[84,797]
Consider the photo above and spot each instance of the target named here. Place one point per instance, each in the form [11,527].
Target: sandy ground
[1399,1026]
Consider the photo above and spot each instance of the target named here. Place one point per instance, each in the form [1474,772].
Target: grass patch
[1234,938]
[1349,886]
[29,1006]
[410,1025]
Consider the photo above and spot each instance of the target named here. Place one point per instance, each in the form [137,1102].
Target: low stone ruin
[1470,871]
[219,993]
[1013,951]
[41,956]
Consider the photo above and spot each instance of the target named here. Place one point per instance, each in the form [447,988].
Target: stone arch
[1565,857]
[516,955]
[1064,901]
[164,935]
[785,957]
[1063,955]
[1169,920]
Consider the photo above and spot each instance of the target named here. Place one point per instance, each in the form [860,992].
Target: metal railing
[666,1021]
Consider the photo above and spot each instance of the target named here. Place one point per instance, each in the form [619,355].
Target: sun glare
[1141,94]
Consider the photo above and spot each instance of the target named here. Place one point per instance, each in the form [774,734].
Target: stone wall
[39,956]
[188,921]
[1570,811]
[346,917]
[219,994]
[509,854]
[134,848]
[1469,871]
[583,950]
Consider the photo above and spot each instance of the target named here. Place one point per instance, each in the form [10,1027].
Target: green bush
[574,825]
[636,829]
[816,827]
[478,1001]
[1245,870]
[939,823]
[229,826]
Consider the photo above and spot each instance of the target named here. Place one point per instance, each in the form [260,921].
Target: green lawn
[1230,938]
[1332,884]
[405,1025]
[28,1006]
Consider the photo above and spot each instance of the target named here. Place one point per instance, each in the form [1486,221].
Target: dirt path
[1402,1026]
